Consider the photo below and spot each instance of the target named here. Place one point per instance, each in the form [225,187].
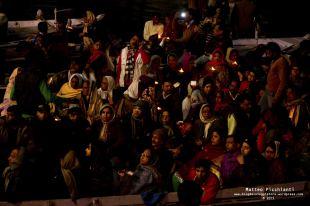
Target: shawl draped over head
[228,53]
[103,135]
[207,122]
[69,163]
[67,92]
[213,62]
[111,86]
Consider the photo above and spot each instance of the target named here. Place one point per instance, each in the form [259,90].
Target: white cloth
[151,29]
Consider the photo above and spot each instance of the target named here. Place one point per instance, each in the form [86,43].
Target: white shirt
[151,29]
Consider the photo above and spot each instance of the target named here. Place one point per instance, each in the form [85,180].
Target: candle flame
[156,82]
[181,70]
[213,69]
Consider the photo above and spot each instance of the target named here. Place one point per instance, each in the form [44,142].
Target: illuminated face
[230,144]
[206,112]
[207,88]
[251,77]
[269,153]
[136,112]
[10,116]
[85,88]
[217,56]
[145,157]
[165,118]
[41,115]
[157,141]
[245,149]
[167,87]
[215,139]
[106,114]
[104,84]
[13,157]
[74,82]
[73,116]
[97,45]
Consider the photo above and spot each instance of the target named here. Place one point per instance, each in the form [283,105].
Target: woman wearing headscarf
[108,132]
[73,88]
[103,95]
[202,126]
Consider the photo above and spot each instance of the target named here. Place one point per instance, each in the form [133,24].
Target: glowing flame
[213,69]
[235,63]
[181,70]
[168,38]
[156,83]
[158,108]
[159,36]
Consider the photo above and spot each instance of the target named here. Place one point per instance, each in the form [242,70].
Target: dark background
[281,18]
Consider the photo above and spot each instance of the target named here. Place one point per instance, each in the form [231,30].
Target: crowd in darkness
[176,105]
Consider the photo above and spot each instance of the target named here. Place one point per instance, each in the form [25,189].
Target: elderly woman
[73,88]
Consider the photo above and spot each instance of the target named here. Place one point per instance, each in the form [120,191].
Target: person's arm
[46,92]
[283,70]
[210,190]
[146,33]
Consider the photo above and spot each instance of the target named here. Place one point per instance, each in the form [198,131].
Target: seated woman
[70,92]
[101,96]
[276,170]
[145,177]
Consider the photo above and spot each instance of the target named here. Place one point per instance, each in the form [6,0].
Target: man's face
[172,62]
[85,88]
[13,157]
[73,116]
[106,114]
[207,88]
[233,87]
[201,173]
[136,112]
[134,41]
[245,105]
[165,118]
[156,141]
[269,153]
[167,87]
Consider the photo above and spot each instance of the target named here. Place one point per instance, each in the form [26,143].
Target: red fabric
[244,86]
[118,69]
[210,187]
[96,54]
[260,131]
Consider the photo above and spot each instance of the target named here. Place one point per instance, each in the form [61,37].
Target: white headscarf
[79,76]
[111,86]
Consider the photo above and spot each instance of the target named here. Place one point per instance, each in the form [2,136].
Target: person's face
[13,157]
[206,112]
[216,56]
[251,77]
[201,173]
[269,153]
[167,87]
[74,68]
[269,54]
[295,72]
[233,87]
[145,157]
[136,112]
[104,84]
[73,116]
[134,41]
[290,95]
[41,115]
[207,88]
[230,144]
[172,62]
[85,88]
[156,141]
[165,118]
[215,139]
[10,116]
[155,20]
[245,149]
[74,82]
[106,114]
[246,105]
[97,45]
[217,31]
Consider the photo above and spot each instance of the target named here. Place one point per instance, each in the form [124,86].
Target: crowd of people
[176,104]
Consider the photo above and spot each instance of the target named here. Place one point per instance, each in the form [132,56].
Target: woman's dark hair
[204,163]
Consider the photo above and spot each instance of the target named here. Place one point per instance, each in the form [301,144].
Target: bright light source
[183,14]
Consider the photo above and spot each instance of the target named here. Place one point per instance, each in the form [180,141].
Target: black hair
[42,27]
[204,163]
[274,47]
